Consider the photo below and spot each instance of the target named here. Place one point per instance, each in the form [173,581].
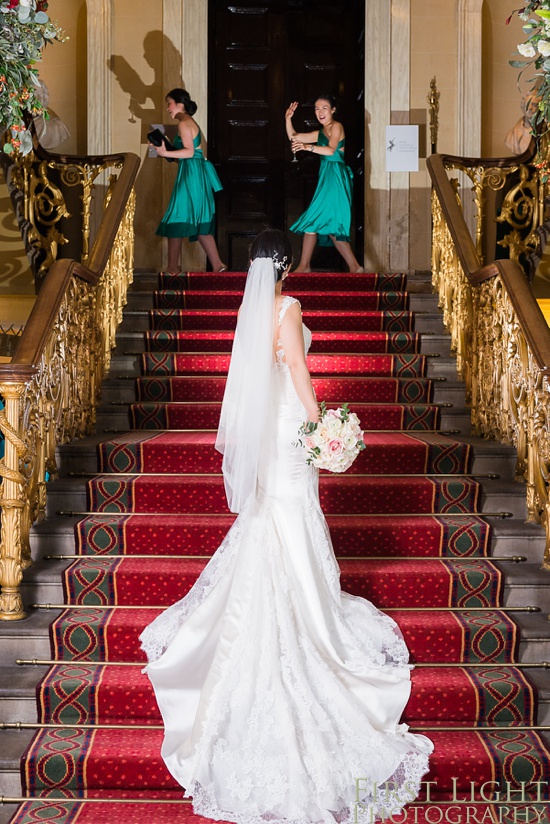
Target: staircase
[417,525]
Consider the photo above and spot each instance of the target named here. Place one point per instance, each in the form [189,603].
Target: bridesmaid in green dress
[191,209]
[328,216]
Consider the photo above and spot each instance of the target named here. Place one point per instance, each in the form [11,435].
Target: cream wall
[137,95]
[63,69]
[434,49]
[501,97]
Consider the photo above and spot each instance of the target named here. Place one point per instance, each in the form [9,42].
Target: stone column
[99,51]
[387,101]
[400,109]
[469,67]
[377,116]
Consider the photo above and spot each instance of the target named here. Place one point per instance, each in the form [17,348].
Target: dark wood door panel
[262,56]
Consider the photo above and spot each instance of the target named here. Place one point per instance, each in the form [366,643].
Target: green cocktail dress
[191,209]
[329,212]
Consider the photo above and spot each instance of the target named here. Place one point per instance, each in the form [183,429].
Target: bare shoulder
[338,130]
[289,309]
[187,128]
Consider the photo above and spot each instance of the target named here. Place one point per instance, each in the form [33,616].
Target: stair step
[418,302]
[489,457]
[123,390]
[510,537]
[30,638]
[524,584]
[13,744]
[131,365]
[138,320]
[18,693]
[69,494]
[104,776]
[115,418]
[136,342]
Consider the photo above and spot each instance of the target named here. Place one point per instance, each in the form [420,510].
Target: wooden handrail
[492,162]
[454,215]
[45,310]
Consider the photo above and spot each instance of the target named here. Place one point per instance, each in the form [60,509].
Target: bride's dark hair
[182,96]
[272,243]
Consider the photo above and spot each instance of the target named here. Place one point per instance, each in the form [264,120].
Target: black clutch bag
[157,138]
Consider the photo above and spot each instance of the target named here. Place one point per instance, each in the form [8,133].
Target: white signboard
[401,148]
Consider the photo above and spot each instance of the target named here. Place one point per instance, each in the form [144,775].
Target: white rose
[334,426]
[350,441]
[544,47]
[526,49]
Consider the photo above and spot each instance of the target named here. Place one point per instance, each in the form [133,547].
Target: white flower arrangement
[335,441]
[535,52]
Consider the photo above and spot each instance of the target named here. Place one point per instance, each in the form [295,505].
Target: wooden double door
[261,57]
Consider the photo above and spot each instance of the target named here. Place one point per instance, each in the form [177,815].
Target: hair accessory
[280,265]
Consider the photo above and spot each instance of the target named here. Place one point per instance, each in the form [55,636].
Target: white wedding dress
[279,692]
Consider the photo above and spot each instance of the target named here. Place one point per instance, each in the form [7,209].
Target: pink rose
[332,413]
[335,446]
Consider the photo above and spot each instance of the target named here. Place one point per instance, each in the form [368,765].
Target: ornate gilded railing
[509,200]
[56,198]
[501,342]
[51,387]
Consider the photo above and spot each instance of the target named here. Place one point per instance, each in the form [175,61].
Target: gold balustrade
[51,386]
[500,338]
[509,196]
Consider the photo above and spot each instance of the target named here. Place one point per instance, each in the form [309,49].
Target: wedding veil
[247,398]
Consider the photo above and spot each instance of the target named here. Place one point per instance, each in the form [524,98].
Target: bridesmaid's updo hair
[181,96]
[272,243]
[330,98]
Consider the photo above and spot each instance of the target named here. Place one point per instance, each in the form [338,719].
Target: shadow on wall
[146,105]
[146,101]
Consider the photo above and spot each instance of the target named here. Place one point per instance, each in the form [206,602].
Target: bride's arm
[292,340]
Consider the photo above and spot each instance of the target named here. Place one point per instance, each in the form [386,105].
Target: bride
[280,694]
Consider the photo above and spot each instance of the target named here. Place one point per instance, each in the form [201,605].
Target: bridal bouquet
[335,441]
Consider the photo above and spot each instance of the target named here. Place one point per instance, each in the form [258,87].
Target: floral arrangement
[335,441]
[25,28]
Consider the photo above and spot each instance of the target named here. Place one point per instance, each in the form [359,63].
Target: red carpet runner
[404,527]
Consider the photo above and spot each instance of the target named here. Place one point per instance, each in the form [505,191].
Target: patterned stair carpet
[406,527]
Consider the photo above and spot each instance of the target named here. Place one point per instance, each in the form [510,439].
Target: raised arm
[337,133]
[304,137]
[292,339]
[188,150]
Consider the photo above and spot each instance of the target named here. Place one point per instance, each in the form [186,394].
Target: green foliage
[25,28]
